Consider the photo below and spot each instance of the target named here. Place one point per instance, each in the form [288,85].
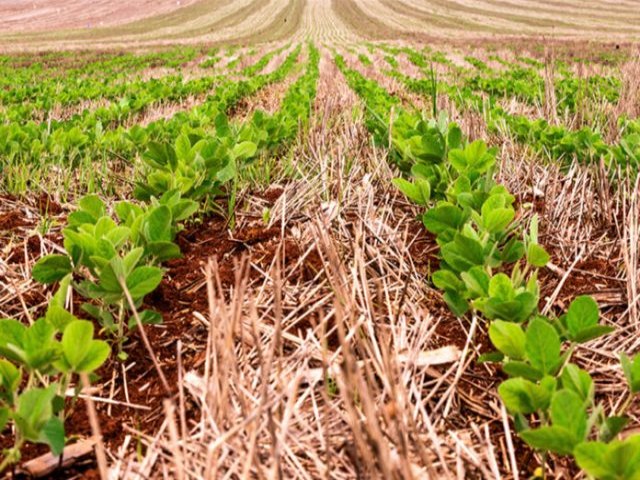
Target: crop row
[489,263]
[555,141]
[114,257]
[85,140]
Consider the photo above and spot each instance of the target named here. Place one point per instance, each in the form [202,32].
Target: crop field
[320,239]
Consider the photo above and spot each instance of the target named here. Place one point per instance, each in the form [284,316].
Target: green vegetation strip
[489,264]
[114,258]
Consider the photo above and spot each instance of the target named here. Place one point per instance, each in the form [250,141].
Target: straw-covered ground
[306,340]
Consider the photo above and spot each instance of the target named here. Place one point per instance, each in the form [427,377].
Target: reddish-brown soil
[50,15]
[181,293]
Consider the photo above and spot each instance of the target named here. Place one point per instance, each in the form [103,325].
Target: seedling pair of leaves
[539,345]
[106,255]
[196,165]
[37,413]
[419,141]
[543,382]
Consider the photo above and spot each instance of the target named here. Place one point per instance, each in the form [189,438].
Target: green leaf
[244,150]
[97,354]
[418,192]
[508,338]
[458,305]
[517,310]
[522,369]
[163,251]
[158,224]
[447,280]
[590,333]
[568,411]
[477,282]
[92,205]
[523,396]
[144,280]
[583,313]
[131,259]
[614,461]
[183,148]
[542,346]
[590,456]
[53,435]
[512,251]
[577,380]
[463,253]
[9,378]
[537,255]
[51,269]
[612,426]
[491,357]
[76,341]
[184,209]
[497,220]
[501,287]
[33,411]
[59,317]
[4,418]
[147,317]
[60,297]
[12,334]
[554,439]
[443,218]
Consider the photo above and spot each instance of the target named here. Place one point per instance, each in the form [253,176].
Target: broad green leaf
[76,341]
[512,251]
[611,427]
[144,280]
[97,354]
[158,224]
[418,192]
[577,380]
[59,317]
[523,396]
[463,253]
[53,435]
[51,269]
[9,378]
[477,282]
[590,456]
[92,205]
[131,259]
[12,335]
[522,369]
[4,418]
[147,317]
[443,218]
[447,280]
[33,411]
[508,338]
[244,150]
[568,411]
[582,314]
[537,255]
[498,220]
[501,287]
[542,346]
[491,357]
[458,305]
[592,332]
[553,439]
